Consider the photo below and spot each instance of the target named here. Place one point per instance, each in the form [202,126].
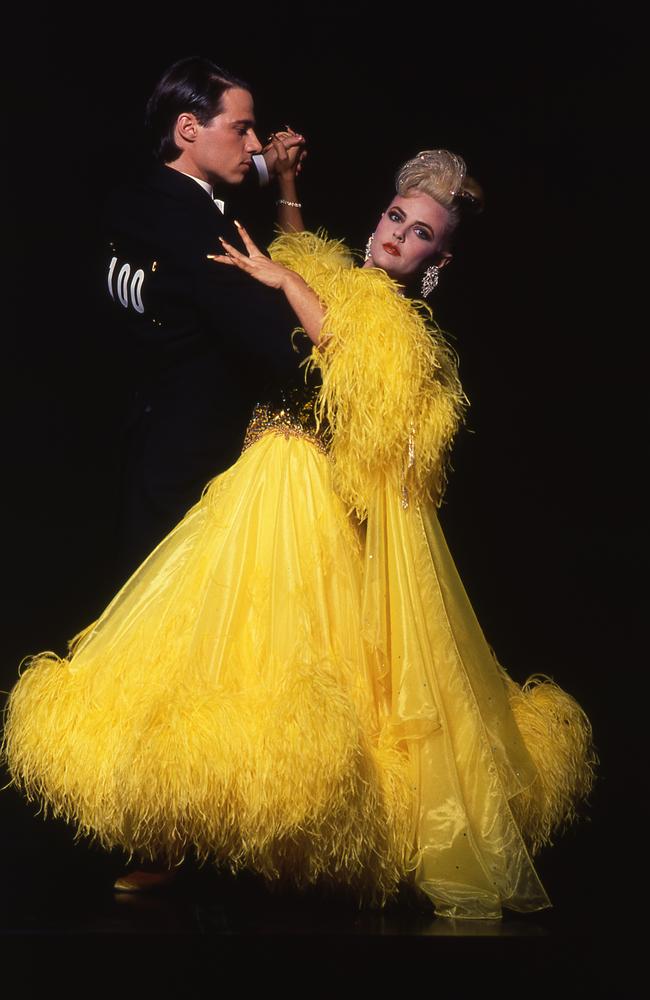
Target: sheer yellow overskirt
[497,768]
[280,688]
[223,700]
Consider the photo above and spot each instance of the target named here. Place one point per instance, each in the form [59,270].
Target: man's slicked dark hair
[193,85]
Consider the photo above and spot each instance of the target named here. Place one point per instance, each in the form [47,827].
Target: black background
[537,513]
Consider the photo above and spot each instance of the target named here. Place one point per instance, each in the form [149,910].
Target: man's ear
[187,128]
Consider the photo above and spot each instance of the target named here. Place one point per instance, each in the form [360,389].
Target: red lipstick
[391,249]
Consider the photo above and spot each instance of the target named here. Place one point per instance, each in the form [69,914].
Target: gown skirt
[284,688]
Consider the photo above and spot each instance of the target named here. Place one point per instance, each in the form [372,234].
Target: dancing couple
[293,681]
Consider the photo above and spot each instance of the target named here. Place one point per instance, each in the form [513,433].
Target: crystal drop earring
[369,246]
[430,279]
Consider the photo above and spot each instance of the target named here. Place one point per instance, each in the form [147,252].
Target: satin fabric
[224,701]
[289,690]
[449,701]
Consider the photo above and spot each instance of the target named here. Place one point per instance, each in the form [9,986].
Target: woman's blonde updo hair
[443,176]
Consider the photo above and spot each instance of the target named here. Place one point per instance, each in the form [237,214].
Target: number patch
[126,286]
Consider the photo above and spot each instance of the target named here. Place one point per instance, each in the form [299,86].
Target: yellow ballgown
[294,681]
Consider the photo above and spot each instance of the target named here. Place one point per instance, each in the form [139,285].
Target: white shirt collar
[207,187]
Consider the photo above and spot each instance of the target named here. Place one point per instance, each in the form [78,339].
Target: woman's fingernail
[238,224]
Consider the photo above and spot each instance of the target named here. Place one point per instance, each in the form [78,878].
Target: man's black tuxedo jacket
[204,343]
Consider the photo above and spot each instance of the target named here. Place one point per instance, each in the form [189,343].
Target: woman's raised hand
[257,264]
[302,299]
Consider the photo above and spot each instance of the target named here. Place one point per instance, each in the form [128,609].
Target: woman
[294,681]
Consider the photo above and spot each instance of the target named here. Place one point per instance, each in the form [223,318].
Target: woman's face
[410,236]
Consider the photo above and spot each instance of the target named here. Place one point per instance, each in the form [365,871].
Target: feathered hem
[224,702]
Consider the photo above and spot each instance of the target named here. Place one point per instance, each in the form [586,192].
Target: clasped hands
[284,152]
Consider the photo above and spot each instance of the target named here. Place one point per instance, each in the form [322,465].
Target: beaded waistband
[286,421]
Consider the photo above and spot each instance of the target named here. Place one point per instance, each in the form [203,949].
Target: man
[204,343]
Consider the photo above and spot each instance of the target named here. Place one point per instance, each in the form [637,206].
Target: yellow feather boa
[390,388]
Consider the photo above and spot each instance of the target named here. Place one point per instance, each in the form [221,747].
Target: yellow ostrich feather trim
[390,388]
[169,768]
[558,736]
